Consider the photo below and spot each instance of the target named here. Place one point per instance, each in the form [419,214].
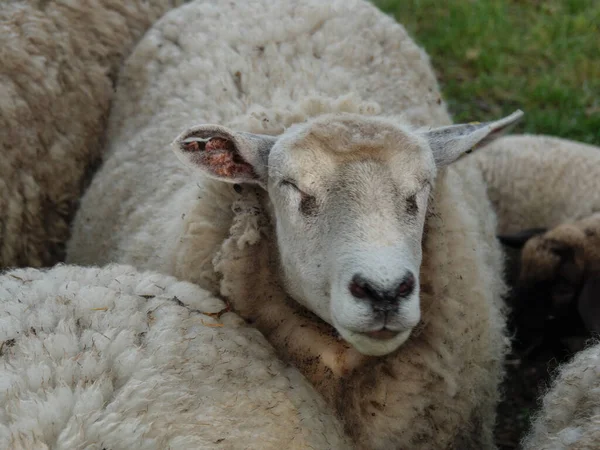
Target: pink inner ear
[220,157]
[219,144]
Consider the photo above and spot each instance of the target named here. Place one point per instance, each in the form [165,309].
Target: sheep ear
[588,304]
[450,143]
[519,239]
[224,154]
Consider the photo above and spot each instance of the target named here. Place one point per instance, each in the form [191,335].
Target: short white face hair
[349,197]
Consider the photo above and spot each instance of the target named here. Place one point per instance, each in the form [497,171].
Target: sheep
[570,413]
[437,391]
[441,360]
[58,66]
[117,358]
[537,181]
[557,293]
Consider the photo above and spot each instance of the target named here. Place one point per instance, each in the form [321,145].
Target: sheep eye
[308,203]
[290,184]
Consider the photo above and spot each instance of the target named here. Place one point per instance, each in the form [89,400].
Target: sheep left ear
[451,142]
[224,154]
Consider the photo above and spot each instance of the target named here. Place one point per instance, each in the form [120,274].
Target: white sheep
[372,247]
[58,65]
[119,359]
[537,181]
[570,414]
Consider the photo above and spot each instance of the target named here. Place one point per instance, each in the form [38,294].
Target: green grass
[493,56]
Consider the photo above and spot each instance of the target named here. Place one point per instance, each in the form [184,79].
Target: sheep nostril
[407,285]
[357,290]
[361,288]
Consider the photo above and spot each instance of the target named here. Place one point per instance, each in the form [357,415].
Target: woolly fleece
[540,181]
[570,414]
[116,359]
[218,64]
[58,64]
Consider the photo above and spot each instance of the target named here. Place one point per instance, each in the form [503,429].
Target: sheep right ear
[451,142]
[224,154]
[588,304]
[519,239]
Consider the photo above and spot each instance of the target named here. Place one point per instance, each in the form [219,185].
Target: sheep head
[557,292]
[348,196]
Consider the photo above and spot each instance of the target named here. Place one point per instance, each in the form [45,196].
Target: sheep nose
[361,288]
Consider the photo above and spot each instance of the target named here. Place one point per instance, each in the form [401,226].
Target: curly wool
[120,359]
[570,413]
[58,64]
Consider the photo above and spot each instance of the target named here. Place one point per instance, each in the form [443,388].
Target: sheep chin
[370,346]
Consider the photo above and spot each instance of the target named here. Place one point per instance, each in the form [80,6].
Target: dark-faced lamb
[556,295]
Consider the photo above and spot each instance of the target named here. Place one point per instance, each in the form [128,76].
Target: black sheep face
[554,297]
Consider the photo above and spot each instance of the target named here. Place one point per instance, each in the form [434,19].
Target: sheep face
[551,274]
[557,291]
[348,197]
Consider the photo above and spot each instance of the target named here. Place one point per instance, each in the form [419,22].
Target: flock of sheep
[287,244]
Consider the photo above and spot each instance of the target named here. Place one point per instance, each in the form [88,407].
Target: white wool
[570,413]
[115,358]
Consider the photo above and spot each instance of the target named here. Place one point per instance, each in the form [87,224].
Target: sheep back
[570,413]
[58,64]
[539,181]
[116,358]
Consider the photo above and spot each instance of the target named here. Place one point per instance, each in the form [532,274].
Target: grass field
[493,56]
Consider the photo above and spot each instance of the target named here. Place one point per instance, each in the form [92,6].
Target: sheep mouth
[382,335]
